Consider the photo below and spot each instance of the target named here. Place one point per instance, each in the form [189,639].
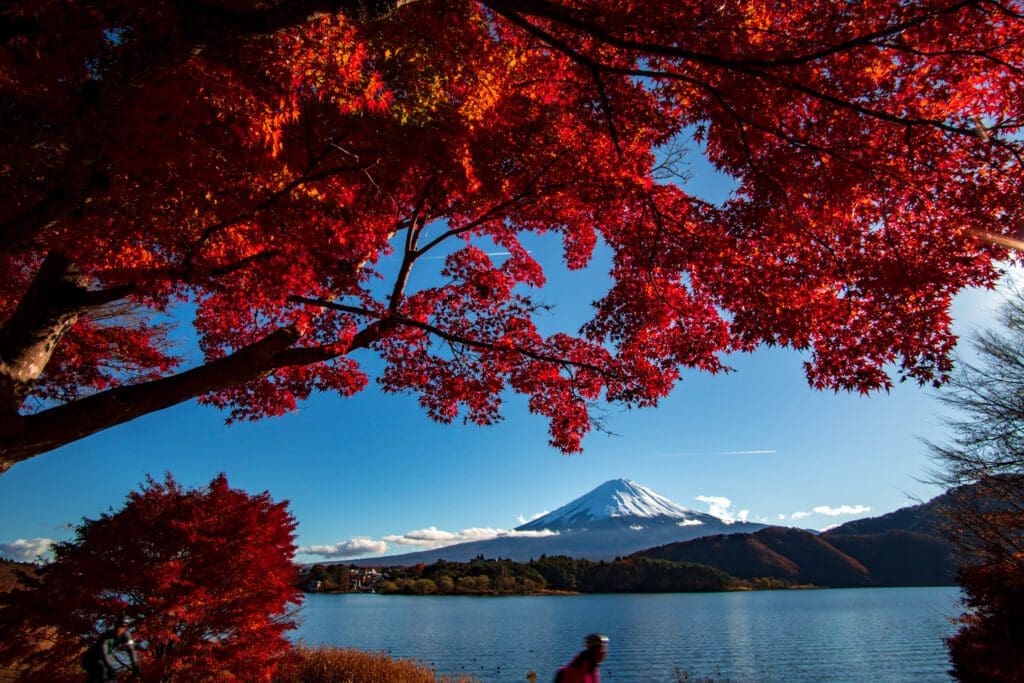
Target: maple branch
[530,189]
[53,303]
[515,10]
[24,436]
[414,226]
[78,176]
[409,256]
[29,435]
[1003,9]
[606,108]
[394,319]
[268,202]
[756,68]
[865,110]
[460,340]
[777,131]
[210,21]
[979,54]
[334,306]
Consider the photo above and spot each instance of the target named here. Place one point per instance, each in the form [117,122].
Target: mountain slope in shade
[820,563]
[617,518]
[741,555]
[900,558]
[906,547]
[775,552]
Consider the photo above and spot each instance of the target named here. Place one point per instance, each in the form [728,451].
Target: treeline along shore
[555,574]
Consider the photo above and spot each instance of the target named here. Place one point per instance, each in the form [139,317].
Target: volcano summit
[617,518]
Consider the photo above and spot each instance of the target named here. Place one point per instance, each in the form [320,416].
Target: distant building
[365,580]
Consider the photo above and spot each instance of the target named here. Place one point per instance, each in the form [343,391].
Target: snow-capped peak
[618,498]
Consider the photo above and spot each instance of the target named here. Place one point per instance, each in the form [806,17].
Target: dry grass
[305,665]
[337,665]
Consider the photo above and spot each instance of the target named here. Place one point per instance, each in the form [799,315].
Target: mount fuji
[617,518]
[619,503]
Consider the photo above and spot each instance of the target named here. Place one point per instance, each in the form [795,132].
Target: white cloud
[781,517]
[720,507]
[529,534]
[524,520]
[690,522]
[26,550]
[636,527]
[716,504]
[360,545]
[842,510]
[432,537]
[523,534]
[799,515]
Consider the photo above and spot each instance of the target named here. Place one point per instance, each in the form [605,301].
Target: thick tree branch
[25,436]
[30,435]
[46,430]
[761,69]
[53,303]
[518,10]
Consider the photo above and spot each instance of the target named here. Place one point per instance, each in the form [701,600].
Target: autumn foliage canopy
[307,178]
[205,574]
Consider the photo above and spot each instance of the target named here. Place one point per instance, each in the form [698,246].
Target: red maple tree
[205,574]
[260,165]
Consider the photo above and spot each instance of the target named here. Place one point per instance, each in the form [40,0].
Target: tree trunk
[27,435]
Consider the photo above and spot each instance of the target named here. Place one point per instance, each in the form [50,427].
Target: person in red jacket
[584,668]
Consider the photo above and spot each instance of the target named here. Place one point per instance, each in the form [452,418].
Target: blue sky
[756,443]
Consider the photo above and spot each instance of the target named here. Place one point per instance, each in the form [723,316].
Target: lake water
[813,636]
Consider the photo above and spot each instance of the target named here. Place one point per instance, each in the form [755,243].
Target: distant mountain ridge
[782,553]
[615,519]
[902,548]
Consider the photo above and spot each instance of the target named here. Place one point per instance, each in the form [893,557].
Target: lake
[812,636]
